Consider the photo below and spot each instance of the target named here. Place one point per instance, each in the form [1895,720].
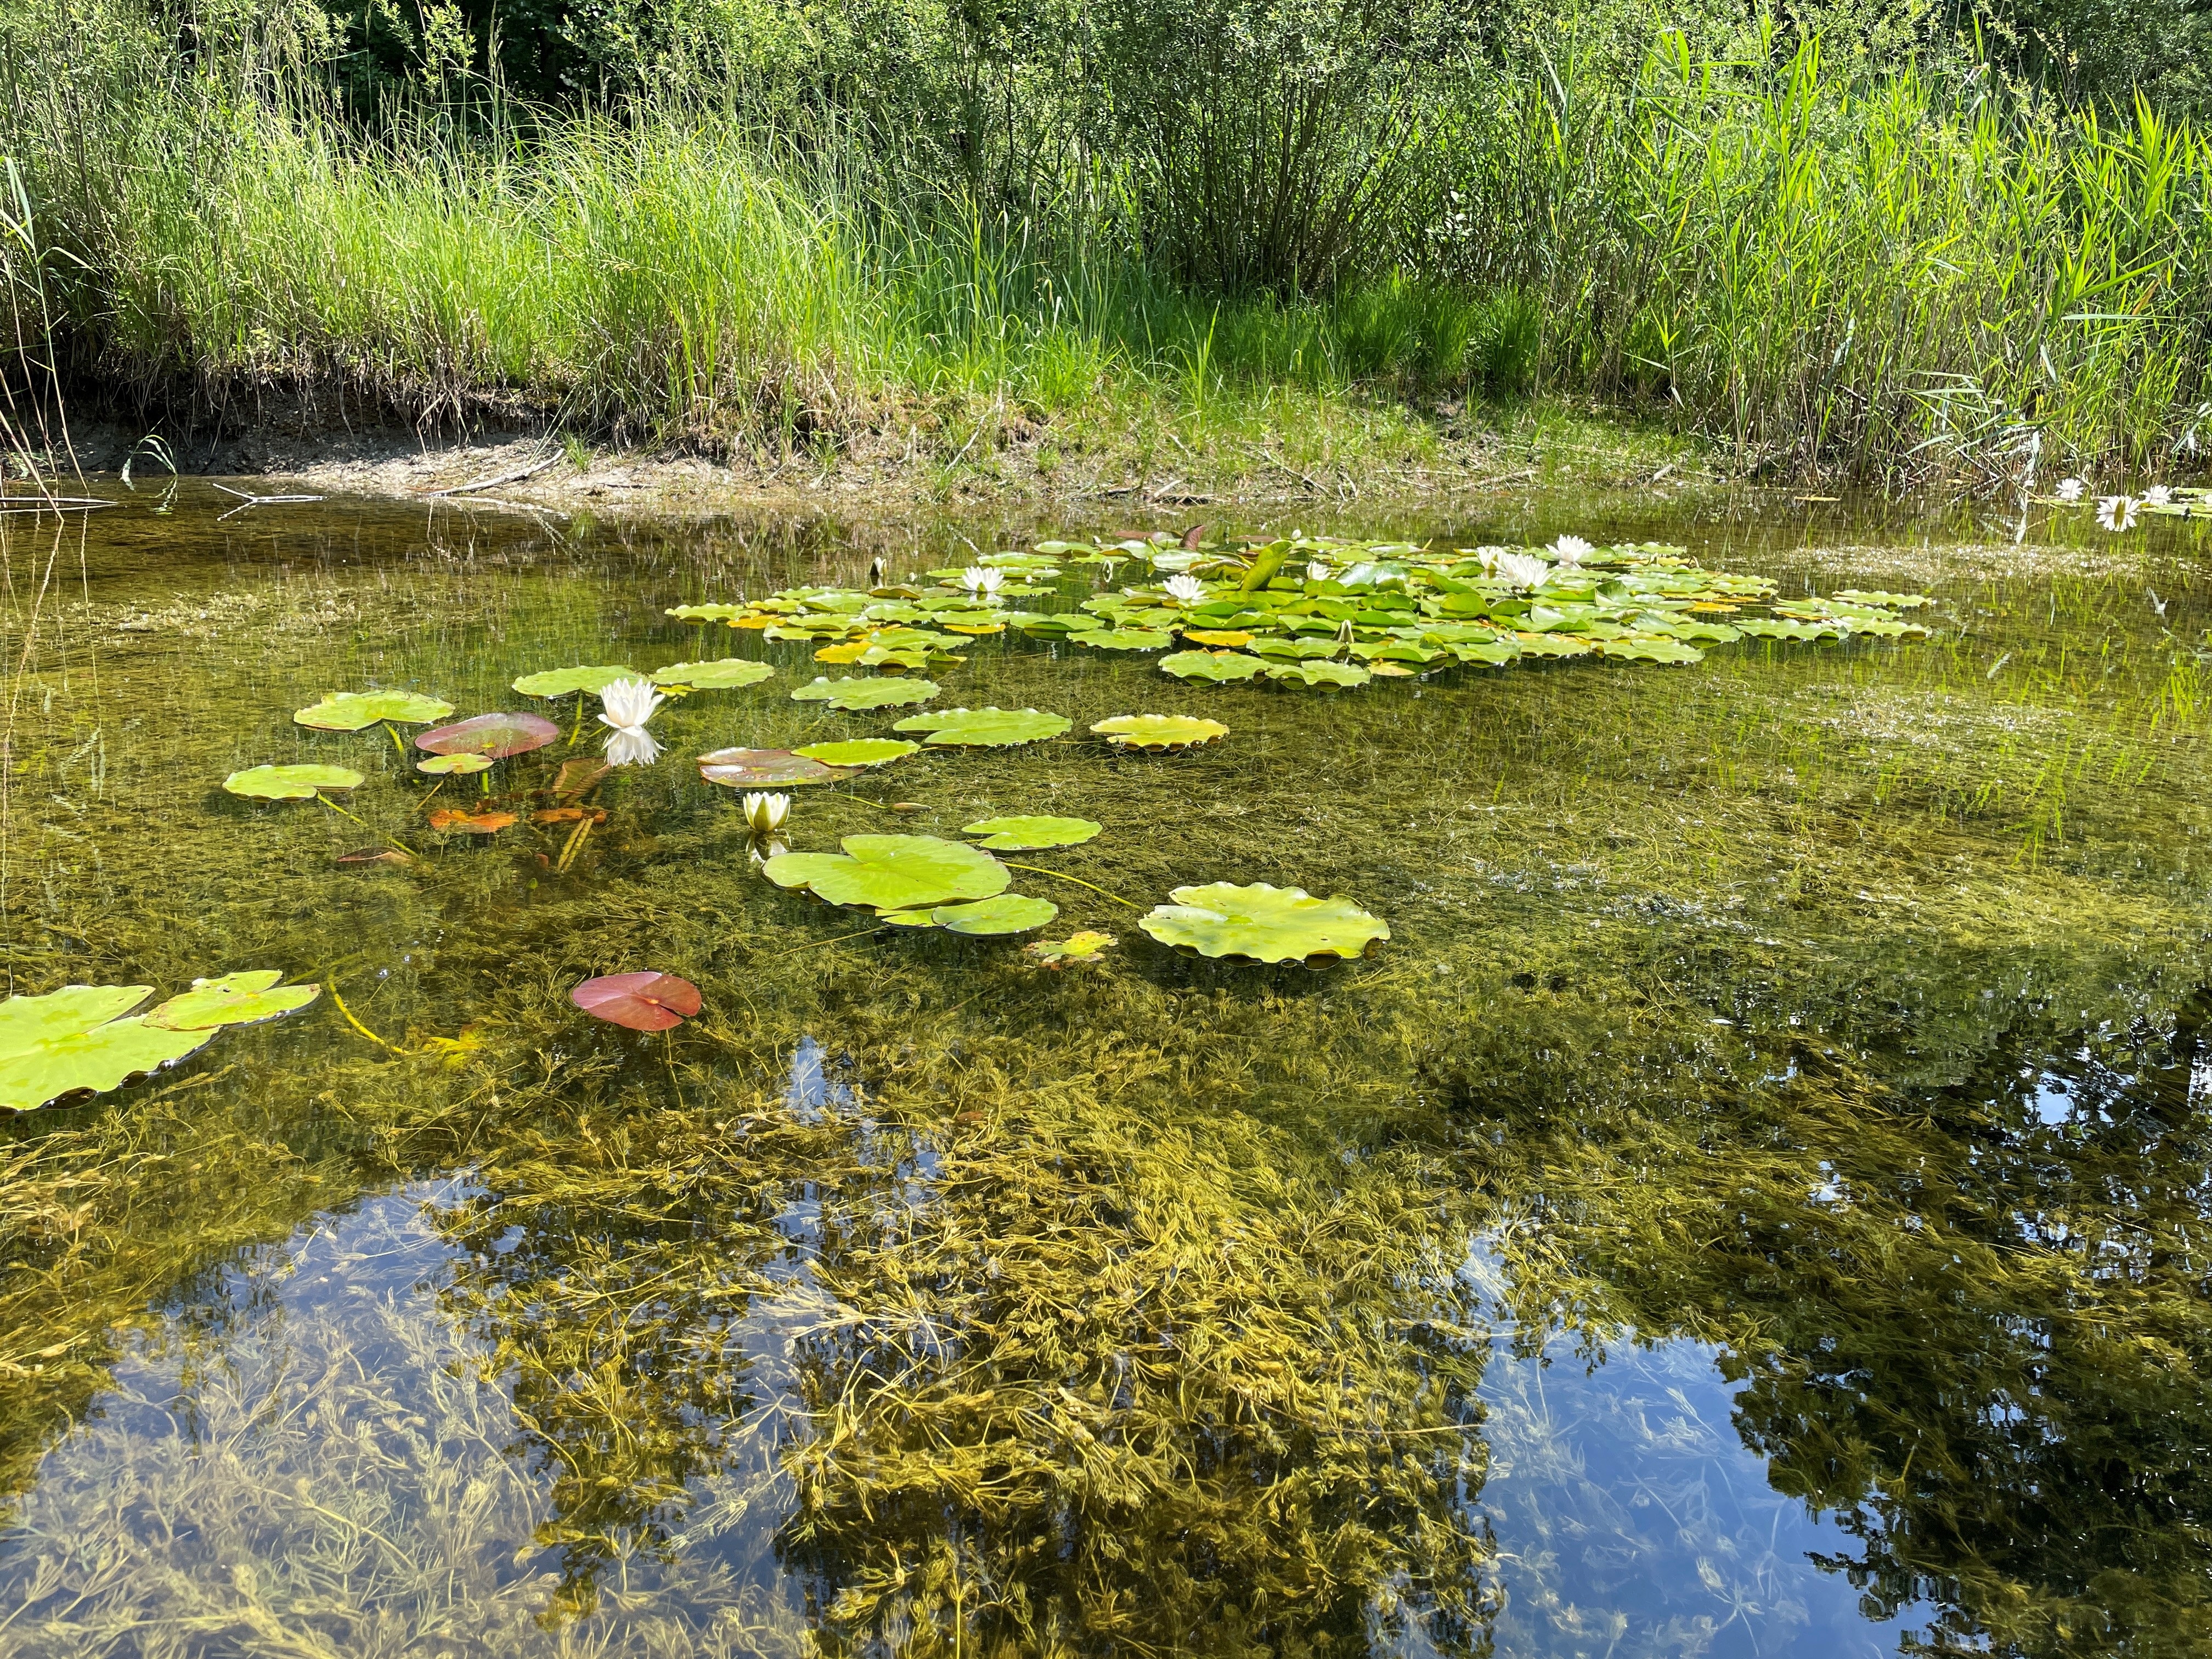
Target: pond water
[1753,1203]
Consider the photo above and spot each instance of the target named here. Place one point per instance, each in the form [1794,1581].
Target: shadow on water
[1753,1206]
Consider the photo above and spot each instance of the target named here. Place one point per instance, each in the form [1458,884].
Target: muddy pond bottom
[1753,1202]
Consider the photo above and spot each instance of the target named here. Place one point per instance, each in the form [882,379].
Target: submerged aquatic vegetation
[302,782]
[647,1002]
[458,820]
[1264,923]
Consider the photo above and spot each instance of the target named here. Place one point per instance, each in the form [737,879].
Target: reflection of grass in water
[1155,1336]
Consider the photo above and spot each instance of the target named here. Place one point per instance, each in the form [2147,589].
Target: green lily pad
[1009,913]
[458,765]
[984,728]
[1319,673]
[893,872]
[859,752]
[350,711]
[290,782]
[1263,923]
[725,674]
[1650,648]
[245,999]
[1219,666]
[1084,948]
[865,693]
[567,682]
[1160,734]
[767,768]
[1123,639]
[77,1039]
[1027,835]
[707,612]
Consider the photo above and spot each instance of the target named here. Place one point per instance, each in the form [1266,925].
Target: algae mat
[1752,1201]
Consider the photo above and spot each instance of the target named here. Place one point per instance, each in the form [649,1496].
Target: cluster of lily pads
[1307,611]
[2124,511]
[88,1039]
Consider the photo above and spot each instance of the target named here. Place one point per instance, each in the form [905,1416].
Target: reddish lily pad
[768,768]
[493,737]
[643,1002]
[456,819]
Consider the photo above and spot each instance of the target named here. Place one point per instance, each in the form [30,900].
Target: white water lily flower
[2070,489]
[2118,511]
[1572,549]
[1317,572]
[765,813]
[1489,557]
[2158,495]
[982,583]
[1185,590]
[1521,569]
[626,706]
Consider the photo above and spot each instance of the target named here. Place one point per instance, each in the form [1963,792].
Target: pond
[1752,1203]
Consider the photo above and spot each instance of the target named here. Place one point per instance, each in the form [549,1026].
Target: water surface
[1753,1205]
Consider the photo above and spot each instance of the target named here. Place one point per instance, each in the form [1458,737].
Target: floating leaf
[1892,601]
[1124,639]
[1219,666]
[984,728]
[1264,923]
[642,1002]
[1318,673]
[865,694]
[567,682]
[458,765]
[725,674]
[859,752]
[767,768]
[1009,913]
[494,736]
[246,998]
[461,821]
[1228,636]
[1650,648]
[1027,835]
[725,613]
[290,782]
[1159,733]
[350,711]
[1078,950]
[893,872]
[77,1039]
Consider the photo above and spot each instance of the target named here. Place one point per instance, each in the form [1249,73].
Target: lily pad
[893,693]
[1081,949]
[454,820]
[859,752]
[893,872]
[567,682]
[984,728]
[350,711]
[642,1002]
[728,613]
[460,765]
[1009,913]
[768,768]
[1263,923]
[77,1039]
[290,782]
[1159,733]
[1319,673]
[1123,639]
[246,998]
[1027,835]
[1219,666]
[725,674]
[494,736]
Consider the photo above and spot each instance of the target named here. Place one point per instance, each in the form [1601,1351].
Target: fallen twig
[515,477]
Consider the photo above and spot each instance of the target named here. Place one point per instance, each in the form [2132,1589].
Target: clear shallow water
[1808,1038]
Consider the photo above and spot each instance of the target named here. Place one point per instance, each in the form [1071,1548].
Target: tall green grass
[1875,278]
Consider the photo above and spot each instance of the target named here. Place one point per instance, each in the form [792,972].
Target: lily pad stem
[1039,870]
[574,844]
[401,845]
[577,730]
[398,742]
[338,1002]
